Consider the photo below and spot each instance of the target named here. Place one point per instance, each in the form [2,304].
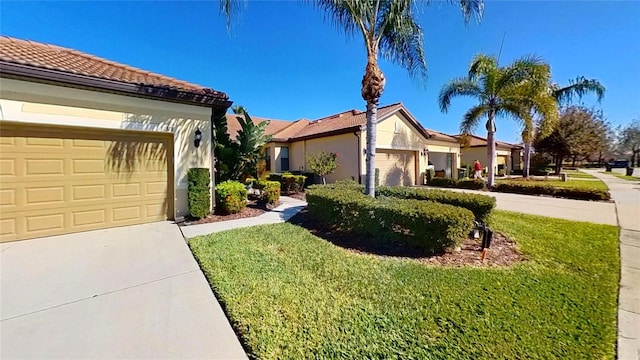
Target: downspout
[357,134]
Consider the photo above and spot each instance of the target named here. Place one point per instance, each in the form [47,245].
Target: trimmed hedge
[198,192]
[480,205]
[289,183]
[270,191]
[231,196]
[533,188]
[432,226]
[461,184]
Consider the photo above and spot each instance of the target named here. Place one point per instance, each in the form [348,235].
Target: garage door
[396,167]
[56,180]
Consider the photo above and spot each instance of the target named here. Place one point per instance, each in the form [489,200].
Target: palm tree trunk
[372,123]
[491,148]
[527,159]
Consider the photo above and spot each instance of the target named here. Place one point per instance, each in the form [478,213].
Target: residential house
[508,156]
[404,148]
[87,143]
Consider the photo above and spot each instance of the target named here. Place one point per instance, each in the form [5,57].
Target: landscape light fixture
[198,138]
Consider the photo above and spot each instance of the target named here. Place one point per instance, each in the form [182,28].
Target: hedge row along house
[87,143]
[404,149]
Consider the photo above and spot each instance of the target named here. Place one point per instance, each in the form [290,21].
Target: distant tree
[580,132]
[389,29]
[322,163]
[239,156]
[630,141]
[509,91]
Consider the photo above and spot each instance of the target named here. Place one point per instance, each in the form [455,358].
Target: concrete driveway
[130,292]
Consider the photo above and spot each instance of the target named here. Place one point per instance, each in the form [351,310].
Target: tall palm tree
[501,91]
[577,88]
[389,29]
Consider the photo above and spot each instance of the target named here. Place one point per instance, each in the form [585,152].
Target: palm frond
[472,117]
[400,37]
[229,8]
[530,69]
[347,15]
[457,87]
[481,65]
[472,8]
[515,110]
[579,87]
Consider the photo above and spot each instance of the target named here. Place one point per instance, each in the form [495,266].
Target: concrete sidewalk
[133,292]
[626,195]
[576,210]
[288,208]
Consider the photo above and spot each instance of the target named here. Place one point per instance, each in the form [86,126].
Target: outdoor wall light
[425,152]
[364,151]
[198,138]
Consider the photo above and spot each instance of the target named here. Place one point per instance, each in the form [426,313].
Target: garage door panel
[54,182]
[396,167]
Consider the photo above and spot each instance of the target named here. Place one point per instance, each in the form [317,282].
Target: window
[284,159]
[267,159]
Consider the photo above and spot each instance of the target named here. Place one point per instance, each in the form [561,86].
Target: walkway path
[626,195]
[287,208]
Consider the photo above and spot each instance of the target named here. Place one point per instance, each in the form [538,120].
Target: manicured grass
[621,176]
[576,184]
[577,174]
[291,295]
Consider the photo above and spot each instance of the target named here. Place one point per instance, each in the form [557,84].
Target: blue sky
[282,60]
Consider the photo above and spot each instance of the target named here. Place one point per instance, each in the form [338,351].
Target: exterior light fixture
[364,151]
[425,151]
[198,138]
[481,229]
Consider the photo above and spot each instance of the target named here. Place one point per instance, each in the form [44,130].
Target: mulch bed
[502,252]
[253,209]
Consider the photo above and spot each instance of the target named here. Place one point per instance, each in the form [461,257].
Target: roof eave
[347,130]
[56,77]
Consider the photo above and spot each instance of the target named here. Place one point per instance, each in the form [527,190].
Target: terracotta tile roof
[476,140]
[344,120]
[275,126]
[284,131]
[52,57]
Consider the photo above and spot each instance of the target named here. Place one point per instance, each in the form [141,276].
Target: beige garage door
[397,167]
[56,180]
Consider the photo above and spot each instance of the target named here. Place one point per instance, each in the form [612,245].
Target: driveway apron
[131,292]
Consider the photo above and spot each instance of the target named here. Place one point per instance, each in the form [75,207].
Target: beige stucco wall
[29,102]
[396,132]
[469,155]
[346,145]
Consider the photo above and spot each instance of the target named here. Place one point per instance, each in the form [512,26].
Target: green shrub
[231,196]
[480,205]
[292,184]
[429,225]
[198,192]
[270,191]
[289,183]
[538,188]
[462,184]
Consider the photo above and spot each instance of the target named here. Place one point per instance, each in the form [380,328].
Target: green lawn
[579,184]
[621,176]
[577,174]
[291,295]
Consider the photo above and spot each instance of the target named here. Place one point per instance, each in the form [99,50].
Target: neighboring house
[87,143]
[508,156]
[403,147]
